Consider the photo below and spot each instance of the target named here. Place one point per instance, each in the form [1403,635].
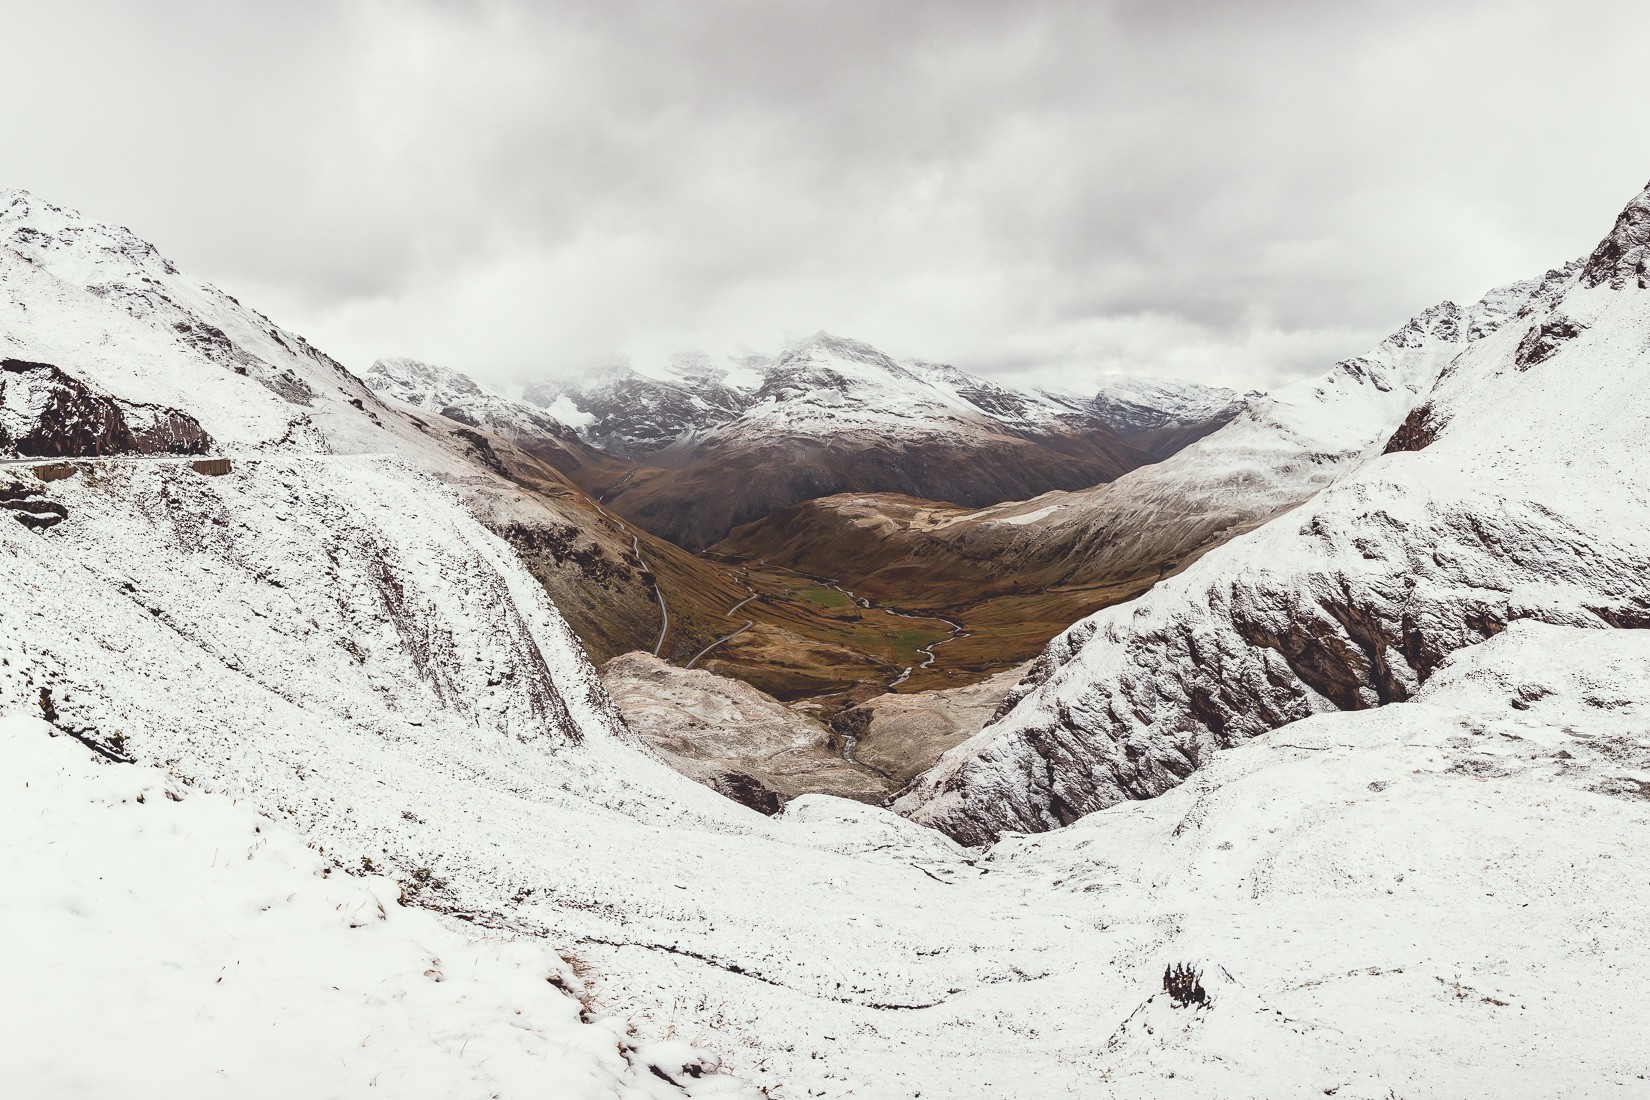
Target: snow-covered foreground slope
[1440,898]
[1512,491]
[170,941]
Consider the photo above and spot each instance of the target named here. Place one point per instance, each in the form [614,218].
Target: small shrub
[1184,985]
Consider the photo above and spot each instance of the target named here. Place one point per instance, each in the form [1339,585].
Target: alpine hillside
[1491,480]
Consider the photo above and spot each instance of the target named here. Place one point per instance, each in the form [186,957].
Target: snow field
[168,941]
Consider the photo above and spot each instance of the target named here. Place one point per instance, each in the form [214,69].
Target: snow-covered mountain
[829,384]
[441,391]
[1110,542]
[1496,482]
[385,829]
[727,444]
[104,309]
[636,414]
[1151,404]
[1161,416]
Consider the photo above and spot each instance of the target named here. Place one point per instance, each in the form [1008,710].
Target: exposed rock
[49,413]
[732,737]
[1417,431]
[1544,339]
[24,501]
[1623,258]
[902,735]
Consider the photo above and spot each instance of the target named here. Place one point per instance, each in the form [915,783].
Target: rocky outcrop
[901,735]
[1417,431]
[1622,259]
[46,412]
[28,505]
[733,738]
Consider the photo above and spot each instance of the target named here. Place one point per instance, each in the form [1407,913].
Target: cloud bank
[1045,189]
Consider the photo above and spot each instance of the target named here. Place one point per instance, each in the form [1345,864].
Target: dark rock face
[51,414]
[1543,340]
[748,791]
[1417,432]
[1622,259]
[29,506]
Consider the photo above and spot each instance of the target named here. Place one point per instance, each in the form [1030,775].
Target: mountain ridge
[1485,487]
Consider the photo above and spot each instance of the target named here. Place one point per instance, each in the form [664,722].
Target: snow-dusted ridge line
[1518,500]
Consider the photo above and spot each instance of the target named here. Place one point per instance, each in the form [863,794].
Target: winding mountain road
[728,614]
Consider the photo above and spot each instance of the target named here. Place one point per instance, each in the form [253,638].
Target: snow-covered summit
[827,386]
[456,396]
[1137,404]
[635,413]
[829,415]
[1622,258]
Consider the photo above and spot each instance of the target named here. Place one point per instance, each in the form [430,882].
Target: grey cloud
[1236,191]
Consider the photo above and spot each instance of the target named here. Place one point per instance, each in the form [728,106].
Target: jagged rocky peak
[828,367]
[28,220]
[456,396]
[637,413]
[825,345]
[1438,323]
[984,394]
[1409,358]
[1518,300]
[1622,258]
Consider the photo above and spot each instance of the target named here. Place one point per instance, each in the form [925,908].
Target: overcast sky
[1227,191]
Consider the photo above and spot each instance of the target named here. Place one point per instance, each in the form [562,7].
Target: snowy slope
[1397,896]
[1511,492]
[97,302]
[209,951]
[1381,903]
